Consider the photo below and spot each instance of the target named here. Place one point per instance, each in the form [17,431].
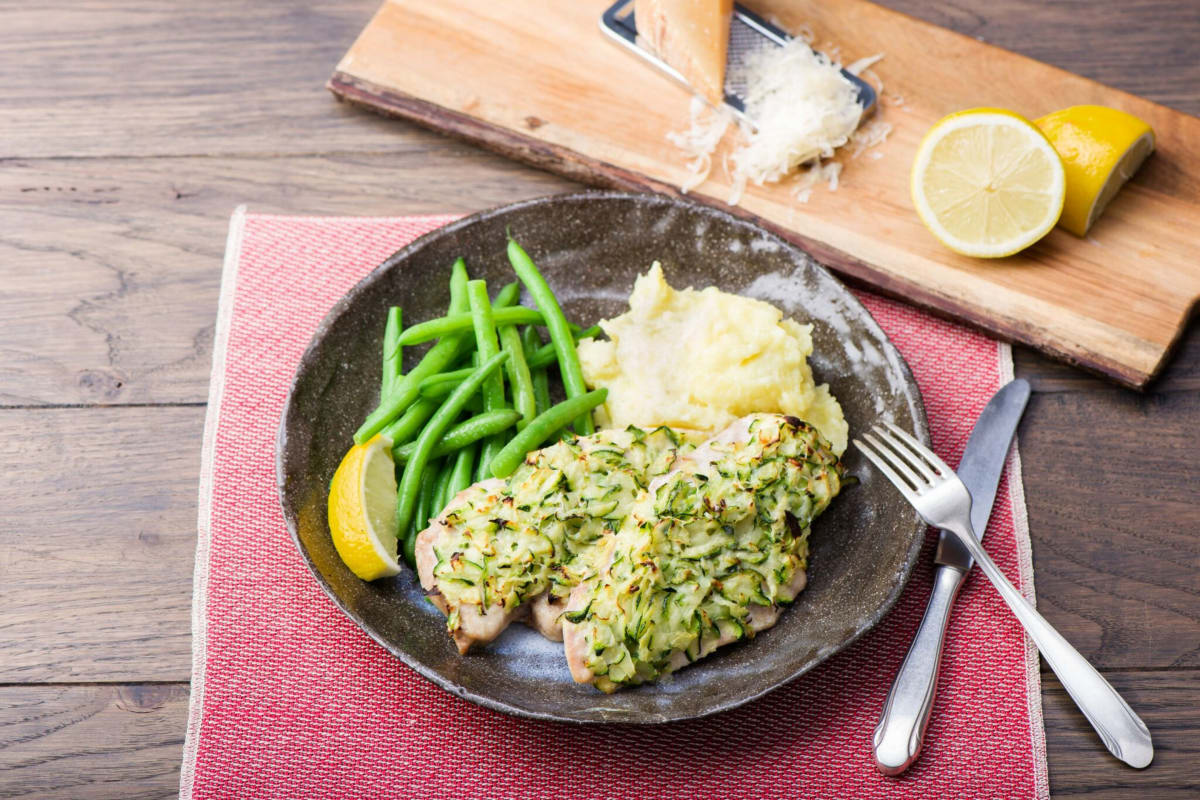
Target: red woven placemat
[290,699]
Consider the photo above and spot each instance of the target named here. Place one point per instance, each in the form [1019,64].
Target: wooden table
[131,130]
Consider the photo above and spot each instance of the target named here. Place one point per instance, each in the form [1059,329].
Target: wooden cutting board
[538,81]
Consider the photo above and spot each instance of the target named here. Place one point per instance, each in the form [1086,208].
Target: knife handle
[901,728]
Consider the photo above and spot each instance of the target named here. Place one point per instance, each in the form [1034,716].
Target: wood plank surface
[1181,375]
[98,538]
[122,742]
[118,170]
[105,78]
[1166,702]
[139,243]
[91,742]
[170,79]
[1117,568]
[559,96]
[1116,556]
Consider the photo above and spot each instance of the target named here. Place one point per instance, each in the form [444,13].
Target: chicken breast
[504,550]
[758,618]
[475,624]
[709,554]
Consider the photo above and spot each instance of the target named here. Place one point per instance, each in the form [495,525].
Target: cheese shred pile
[803,109]
[701,139]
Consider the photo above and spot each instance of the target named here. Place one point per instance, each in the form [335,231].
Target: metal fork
[944,502]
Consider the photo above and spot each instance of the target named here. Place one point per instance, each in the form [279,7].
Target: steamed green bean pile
[478,400]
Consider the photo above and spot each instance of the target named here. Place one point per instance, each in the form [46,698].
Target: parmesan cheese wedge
[692,36]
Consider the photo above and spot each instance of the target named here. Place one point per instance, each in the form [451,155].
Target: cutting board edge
[585,169]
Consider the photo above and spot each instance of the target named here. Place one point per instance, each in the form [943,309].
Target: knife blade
[901,729]
[981,466]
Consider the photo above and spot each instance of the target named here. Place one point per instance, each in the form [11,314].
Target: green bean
[440,356]
[443,485]
[410,423]
[464,467]
[481,469]
[508,295]
[589,332]
[464,433]
[556,323]
[458,286]
[541,429]
[456,323]
[518,375]
[443,383]
[433,431]
[531,340]
[541,389]
[487,345]
[545,355]
[474,402]
[420,521]
[486,342]
[392,352]
[425,501]
[541,380]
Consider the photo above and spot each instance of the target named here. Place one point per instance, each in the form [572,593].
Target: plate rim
[343,304]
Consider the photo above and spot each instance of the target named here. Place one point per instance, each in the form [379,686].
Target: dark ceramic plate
[590,247]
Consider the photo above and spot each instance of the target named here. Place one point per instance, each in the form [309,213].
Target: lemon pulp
[987,182]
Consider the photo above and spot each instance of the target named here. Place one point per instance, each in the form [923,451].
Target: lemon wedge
[362,510]
[1101,148]
[987,182]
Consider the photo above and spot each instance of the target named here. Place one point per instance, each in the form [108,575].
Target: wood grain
[97,539]
[1117,567]
[139,242]
[556,95]
[123,741]
[1165,701]
[1182,373]
[184,79]
[1113,514]
[1145,47]
[111,267]
[96,742]
[110,250]
[103,78]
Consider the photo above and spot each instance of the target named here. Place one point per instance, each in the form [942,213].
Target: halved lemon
[362,510]
[1100,148]
[987,182]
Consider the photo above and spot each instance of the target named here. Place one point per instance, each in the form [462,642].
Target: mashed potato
[698,360]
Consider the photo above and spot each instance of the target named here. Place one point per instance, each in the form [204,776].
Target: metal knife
[901,728]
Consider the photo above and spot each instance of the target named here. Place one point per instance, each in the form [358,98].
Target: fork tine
[928,454]
[897,462]
[904,451]
[896,480]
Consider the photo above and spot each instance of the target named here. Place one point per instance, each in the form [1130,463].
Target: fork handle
[1121,730]
[901,728]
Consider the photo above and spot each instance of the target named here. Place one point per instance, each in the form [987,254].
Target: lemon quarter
[987,182]
[1101,148]
[362,510]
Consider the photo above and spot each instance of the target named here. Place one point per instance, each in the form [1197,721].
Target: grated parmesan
[873,134]
[700,140]
[857,67]
[829,172]
[803,108]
